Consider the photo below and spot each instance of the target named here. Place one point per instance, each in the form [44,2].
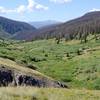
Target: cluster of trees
[79,31]
[83,30]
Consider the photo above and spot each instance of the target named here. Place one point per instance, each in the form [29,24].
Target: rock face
[12,77]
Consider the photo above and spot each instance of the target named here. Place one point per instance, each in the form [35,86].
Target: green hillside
[77,64]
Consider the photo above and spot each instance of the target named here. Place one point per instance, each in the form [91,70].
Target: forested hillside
[11,27]
[78,28]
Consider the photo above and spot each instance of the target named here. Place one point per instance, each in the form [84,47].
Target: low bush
[8,57]
[37,59]
[31,66]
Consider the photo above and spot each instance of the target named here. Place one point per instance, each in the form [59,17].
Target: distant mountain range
[41,24]
[88,23]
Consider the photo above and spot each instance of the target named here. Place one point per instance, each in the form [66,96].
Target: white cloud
[60,1]
[31,6]
[21,9]
[95,9]
[34,5]
[4,10]
[39,7]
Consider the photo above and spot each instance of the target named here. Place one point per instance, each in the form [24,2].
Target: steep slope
[16,75]
[89,23]
[11,27]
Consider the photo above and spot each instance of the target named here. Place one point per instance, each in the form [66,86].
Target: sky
[40,10]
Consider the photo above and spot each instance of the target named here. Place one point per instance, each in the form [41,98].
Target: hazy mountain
[40,24]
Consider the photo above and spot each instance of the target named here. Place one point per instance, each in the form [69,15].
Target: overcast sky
[38,10]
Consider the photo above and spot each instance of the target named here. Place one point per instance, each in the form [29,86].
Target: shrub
[37,59]
[8,57]
[46,55]
[68,54]
[32,66]
[79,52]
[97,84]
[67,79]
[24,61]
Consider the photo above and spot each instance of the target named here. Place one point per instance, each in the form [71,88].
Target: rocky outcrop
[12,77]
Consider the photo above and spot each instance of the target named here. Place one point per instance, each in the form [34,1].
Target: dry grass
[72,42]
[28,93]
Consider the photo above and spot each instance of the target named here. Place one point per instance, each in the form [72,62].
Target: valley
[59,61]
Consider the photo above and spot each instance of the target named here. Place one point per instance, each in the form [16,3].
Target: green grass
[60,61]
[29,93]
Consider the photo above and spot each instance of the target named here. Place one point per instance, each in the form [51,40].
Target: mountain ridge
[75,28]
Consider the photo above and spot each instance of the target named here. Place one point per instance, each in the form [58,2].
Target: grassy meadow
[76,64]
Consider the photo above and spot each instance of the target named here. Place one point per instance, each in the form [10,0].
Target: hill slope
[12,27]
[17,75]
[76,28]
